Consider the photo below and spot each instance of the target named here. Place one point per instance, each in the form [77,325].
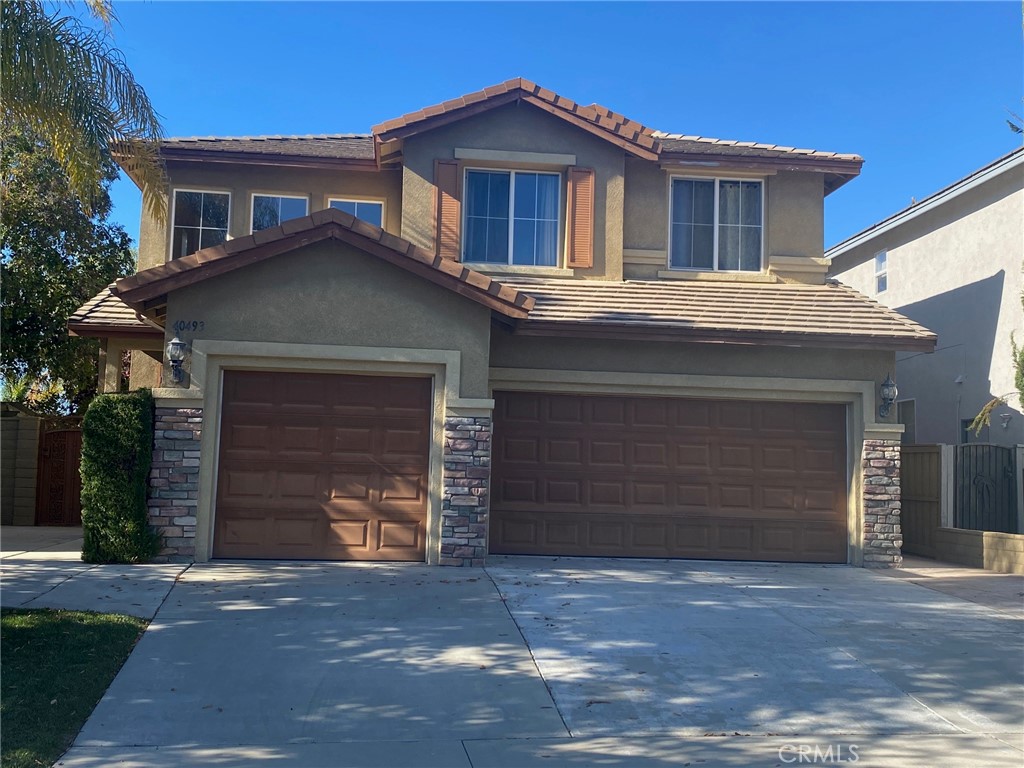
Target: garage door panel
[323,466]
[691,478]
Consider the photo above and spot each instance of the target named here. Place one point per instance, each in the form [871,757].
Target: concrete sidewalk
[42,567]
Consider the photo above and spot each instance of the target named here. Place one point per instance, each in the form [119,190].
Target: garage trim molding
[859,396]
[210,358]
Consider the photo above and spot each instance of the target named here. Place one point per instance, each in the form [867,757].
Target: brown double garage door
[669,477]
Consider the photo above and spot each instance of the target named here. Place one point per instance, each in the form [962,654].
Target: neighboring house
[952,262]
[508,323]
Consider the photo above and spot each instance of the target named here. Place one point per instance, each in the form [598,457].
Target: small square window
[270,210]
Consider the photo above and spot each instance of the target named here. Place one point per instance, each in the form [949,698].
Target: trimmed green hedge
[117,450]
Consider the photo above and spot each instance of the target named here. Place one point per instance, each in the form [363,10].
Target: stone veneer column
[174,481]
[467,482]
[880,471]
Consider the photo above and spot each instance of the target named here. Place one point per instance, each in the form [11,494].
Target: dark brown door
[59,482]
[669,477]
[323,466]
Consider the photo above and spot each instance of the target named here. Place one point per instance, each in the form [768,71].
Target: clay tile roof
[341,146]
[152,285]
[632,135]
[829,315]
[678,143]
[107,315]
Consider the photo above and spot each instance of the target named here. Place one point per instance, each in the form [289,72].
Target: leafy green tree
[54,256]
[67,84]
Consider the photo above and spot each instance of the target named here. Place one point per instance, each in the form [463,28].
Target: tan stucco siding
[549,353]
[333,294]
[518,128]
[957,270]
[242,181]
[793,222]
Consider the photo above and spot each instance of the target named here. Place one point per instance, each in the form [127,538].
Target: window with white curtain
[716,224]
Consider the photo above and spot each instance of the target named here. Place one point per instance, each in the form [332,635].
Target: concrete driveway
[625,663]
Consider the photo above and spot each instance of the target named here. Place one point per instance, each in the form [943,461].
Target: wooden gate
[59,484]
[921,492]
[986,488]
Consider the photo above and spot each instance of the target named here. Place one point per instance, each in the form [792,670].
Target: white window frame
[357,199]
[716,179]
[884,271]
[174,203]
[252,204]
[511,216]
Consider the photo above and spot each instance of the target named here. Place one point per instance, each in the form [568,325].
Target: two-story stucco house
[952,261]
[508,323]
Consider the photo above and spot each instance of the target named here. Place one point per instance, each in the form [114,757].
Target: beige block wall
[242,181]
[956,270]
[793,223]
[333,294]
[1000,552]
[519,128]
[19,457]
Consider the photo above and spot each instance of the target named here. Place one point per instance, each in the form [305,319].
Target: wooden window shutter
[448,208]
[580,218]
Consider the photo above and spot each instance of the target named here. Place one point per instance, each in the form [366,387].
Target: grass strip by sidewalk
[56,666]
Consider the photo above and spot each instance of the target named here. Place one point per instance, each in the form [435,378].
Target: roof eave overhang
[105,331]
[837,172]
[635,332]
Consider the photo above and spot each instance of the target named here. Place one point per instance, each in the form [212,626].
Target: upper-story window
[716,224]
[881,272]
[270,210]
[200,220]
[371,211]
[512,217]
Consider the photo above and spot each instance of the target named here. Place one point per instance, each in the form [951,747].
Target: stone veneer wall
[883,537]
[174,481]
[467,479]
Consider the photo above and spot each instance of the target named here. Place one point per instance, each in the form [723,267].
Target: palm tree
[69,85]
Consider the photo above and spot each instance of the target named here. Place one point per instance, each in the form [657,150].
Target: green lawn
[54,667]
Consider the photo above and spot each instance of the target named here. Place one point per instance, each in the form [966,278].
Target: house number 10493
[189,325]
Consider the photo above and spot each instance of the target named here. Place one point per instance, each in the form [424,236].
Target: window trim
[361,199]
[252,204]
[174,203]
[884,272]
[562,224]
[716,179]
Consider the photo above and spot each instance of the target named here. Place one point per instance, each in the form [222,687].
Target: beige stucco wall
[794,213]
[242,181]
[549,353]
[518,128]
[956,270]
[330,293]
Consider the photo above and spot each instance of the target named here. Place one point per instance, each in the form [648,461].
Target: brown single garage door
[669,477]
[322,466]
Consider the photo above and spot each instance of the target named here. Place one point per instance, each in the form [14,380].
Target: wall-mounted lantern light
[176,351]
[1005,418]
[888,393]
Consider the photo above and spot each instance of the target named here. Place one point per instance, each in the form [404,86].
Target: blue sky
[921,90]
